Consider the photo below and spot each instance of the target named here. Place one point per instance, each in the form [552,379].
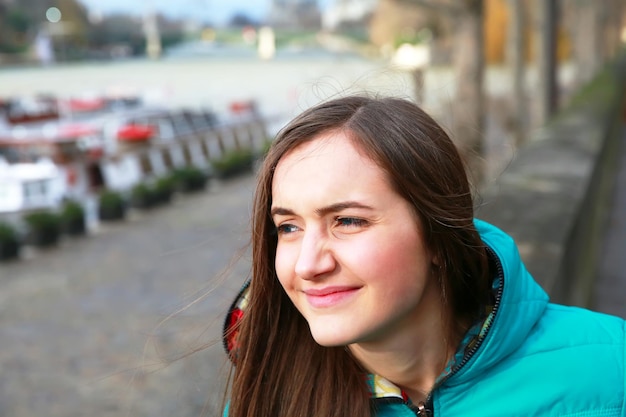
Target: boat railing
[191,142]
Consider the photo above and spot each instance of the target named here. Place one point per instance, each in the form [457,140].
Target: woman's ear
[434,260]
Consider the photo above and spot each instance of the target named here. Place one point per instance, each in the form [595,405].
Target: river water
[281,87]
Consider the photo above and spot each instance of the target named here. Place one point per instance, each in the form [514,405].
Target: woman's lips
[329,296]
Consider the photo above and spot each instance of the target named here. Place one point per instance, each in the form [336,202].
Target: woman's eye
[286,228]
[350,222]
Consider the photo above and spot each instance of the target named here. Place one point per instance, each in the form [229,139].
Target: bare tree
[594,27]
[584,25]
[516,59]
[546,38]
[469,63]
[616,19]
[469,106]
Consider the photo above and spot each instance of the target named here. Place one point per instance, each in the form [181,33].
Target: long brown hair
[280,369]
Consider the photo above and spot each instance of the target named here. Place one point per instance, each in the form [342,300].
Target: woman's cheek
[284,263]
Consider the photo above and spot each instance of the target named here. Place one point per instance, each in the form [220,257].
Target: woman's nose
[315,258]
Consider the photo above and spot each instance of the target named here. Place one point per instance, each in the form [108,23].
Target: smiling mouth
[329,297]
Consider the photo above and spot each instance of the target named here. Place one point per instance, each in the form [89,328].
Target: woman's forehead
[324,172]
[334,151]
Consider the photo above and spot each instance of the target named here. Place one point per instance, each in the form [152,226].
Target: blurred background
[130,131]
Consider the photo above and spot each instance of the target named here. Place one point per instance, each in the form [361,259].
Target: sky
[214,11]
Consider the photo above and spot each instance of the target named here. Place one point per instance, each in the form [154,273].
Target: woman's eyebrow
[322,211]
[344,205]
[281,211]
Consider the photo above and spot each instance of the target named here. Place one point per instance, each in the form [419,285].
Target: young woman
[375,292]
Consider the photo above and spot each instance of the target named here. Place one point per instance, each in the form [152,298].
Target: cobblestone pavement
[86,327]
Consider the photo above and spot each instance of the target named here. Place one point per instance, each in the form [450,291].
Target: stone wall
[554,196]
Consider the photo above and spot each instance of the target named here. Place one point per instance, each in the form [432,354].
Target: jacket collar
[520,305]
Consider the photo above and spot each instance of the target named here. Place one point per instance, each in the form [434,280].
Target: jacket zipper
[422,410]
[425,408]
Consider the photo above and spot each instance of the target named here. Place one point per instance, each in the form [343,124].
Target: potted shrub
[190,179]
[43,228]
[142,196]
[9,242]
[233,163]
[111,206]
[163,189]
[73,218]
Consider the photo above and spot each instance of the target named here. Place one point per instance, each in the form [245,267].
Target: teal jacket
[535,358]
[529,358]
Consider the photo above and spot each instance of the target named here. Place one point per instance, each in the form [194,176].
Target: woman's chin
[330,337]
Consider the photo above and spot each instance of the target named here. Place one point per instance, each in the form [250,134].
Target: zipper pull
[422,411]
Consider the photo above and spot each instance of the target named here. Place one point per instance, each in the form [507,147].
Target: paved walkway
[610,291]
[80,324]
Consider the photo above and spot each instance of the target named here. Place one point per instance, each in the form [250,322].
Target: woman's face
[350,253]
